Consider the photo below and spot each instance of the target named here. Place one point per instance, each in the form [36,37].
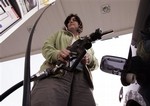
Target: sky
[106,86]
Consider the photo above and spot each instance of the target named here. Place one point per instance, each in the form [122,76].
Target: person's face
[73,25]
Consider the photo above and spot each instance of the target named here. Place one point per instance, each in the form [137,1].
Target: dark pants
[63,91]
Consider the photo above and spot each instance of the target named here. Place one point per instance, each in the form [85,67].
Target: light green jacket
[61,40]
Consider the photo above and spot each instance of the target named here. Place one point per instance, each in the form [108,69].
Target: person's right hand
[63,54]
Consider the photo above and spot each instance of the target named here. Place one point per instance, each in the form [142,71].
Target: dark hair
[78,20]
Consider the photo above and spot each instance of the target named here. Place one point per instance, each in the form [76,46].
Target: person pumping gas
[74,88]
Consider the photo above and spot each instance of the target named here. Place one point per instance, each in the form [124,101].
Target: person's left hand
[86,59]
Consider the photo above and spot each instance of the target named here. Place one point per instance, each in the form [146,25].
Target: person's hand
[86,59]
[63,54]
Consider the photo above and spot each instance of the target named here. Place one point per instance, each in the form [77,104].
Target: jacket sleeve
[93,64]
[49,50]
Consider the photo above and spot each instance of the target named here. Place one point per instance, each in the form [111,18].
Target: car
[134,71]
